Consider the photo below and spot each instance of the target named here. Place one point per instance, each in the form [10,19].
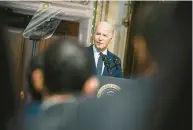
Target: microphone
[106,63]
[109,63]
[117,63]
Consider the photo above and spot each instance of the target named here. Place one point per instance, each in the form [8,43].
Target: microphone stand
[35,40]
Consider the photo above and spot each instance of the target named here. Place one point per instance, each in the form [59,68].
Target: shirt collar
[97,51]
[46,105]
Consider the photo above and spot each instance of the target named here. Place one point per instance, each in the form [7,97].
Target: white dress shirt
[96,56]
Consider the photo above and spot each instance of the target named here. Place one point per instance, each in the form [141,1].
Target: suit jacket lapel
[90,48]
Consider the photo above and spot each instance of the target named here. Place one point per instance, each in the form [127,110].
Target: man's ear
[38,80]
[22,95]
[90,86]
[113,33]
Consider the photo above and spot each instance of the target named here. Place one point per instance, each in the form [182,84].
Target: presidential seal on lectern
[108,89]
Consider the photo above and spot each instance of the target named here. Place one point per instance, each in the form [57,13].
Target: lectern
[112,85]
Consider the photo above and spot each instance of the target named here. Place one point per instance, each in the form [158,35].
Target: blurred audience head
[158,33]
[146,65]
[164,29]
[68,69]
[35,77]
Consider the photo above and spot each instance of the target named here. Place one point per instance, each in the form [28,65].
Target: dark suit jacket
[57,117]
[126,110]
[116,72]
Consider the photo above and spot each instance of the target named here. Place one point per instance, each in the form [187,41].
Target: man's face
[102,36]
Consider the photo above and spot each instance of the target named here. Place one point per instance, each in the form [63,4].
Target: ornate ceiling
[72,10]
[83,2]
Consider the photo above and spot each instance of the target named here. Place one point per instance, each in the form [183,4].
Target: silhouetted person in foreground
[165,104]
[67,75]
[35,66]
[33,92]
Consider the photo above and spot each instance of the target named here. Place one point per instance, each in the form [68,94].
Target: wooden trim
[41,47]
[133,56]
[101,13]
[94,21]
[128,46]
[106,10]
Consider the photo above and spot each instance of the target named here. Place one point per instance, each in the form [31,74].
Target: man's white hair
[110,26]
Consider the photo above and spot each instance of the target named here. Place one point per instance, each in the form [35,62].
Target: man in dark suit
[67,74]
[107,63]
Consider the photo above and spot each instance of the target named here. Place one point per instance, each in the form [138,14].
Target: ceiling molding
[71,11]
